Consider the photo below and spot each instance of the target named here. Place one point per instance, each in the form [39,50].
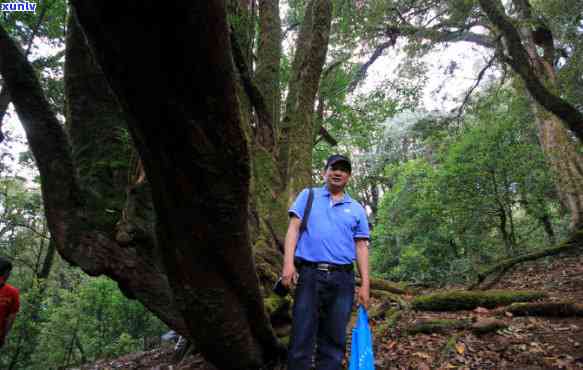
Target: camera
[280,289]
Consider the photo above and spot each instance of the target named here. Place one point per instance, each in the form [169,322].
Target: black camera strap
[307,210]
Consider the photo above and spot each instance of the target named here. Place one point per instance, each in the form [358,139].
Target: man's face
[337,175]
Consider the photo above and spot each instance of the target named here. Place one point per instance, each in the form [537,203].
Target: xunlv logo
[18,7]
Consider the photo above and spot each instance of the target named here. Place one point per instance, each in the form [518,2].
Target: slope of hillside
[526,342]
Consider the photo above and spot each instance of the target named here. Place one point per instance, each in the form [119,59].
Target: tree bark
[4,102]
[96,125]
[561,151]
[269,57]
[520,61]
[297,125]
[76,239]
[189,135]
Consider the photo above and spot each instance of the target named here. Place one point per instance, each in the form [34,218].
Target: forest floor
[527,342]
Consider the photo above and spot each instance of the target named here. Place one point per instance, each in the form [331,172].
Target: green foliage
[482,196]
[84,323]
[67,318]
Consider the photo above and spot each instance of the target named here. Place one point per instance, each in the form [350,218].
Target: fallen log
[392,317]
[458,300]
[443,326]
[556,309]
[573,243]
[380,284]
[438,326]
[388,296]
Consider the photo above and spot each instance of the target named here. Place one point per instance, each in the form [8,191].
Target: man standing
[337,234]
[9,300]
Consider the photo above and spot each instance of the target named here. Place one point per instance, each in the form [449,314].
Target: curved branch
[475,85]
[91,250]
[520,62]
[573,243]
[361,74]
[190,138]
[264,114]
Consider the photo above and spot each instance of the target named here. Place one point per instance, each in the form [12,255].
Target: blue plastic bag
[361,355]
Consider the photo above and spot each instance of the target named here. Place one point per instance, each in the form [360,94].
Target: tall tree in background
[532,54]
[530,49]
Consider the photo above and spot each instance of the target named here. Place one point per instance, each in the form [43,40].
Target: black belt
[329,267]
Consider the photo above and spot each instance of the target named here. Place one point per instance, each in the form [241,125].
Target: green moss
[392,317]
[464,300]
[277,306]
[438,326]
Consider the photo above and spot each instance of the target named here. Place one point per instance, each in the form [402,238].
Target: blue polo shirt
[332,228]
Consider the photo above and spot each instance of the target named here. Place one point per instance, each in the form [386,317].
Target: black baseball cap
[337,158]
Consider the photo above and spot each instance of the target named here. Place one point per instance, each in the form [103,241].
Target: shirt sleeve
[299,205]
[362,229]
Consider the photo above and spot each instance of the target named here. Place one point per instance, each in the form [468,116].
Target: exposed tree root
[559,309]
[387,296]
[443,326]
[464,300]
[438,326]
[573,243]
[379,284]
[392,316]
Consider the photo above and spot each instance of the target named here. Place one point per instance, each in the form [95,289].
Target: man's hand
[289,276]
[364,296]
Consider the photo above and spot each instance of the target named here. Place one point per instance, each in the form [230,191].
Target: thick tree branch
[4,102]
[264,113]
[521,63]
[93,251]
[438,35]
[189,135]
[4,93]
[360,75]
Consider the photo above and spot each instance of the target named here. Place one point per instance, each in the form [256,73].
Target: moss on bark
[550,309]
[463,300]
[438,326]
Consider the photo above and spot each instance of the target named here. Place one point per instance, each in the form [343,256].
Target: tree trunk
[96,126]
[76,239]
[565,161]
[297,126]
[561,150]
[526,62]
[269,57]
[4,102]
[190,137]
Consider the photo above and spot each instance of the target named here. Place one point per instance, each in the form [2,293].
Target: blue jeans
[322,306]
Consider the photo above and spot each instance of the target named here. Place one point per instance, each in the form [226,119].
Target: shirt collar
[345,199]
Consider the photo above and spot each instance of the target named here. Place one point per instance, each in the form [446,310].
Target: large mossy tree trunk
[189,135]
[101,153]
[210,154]
[297,129]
